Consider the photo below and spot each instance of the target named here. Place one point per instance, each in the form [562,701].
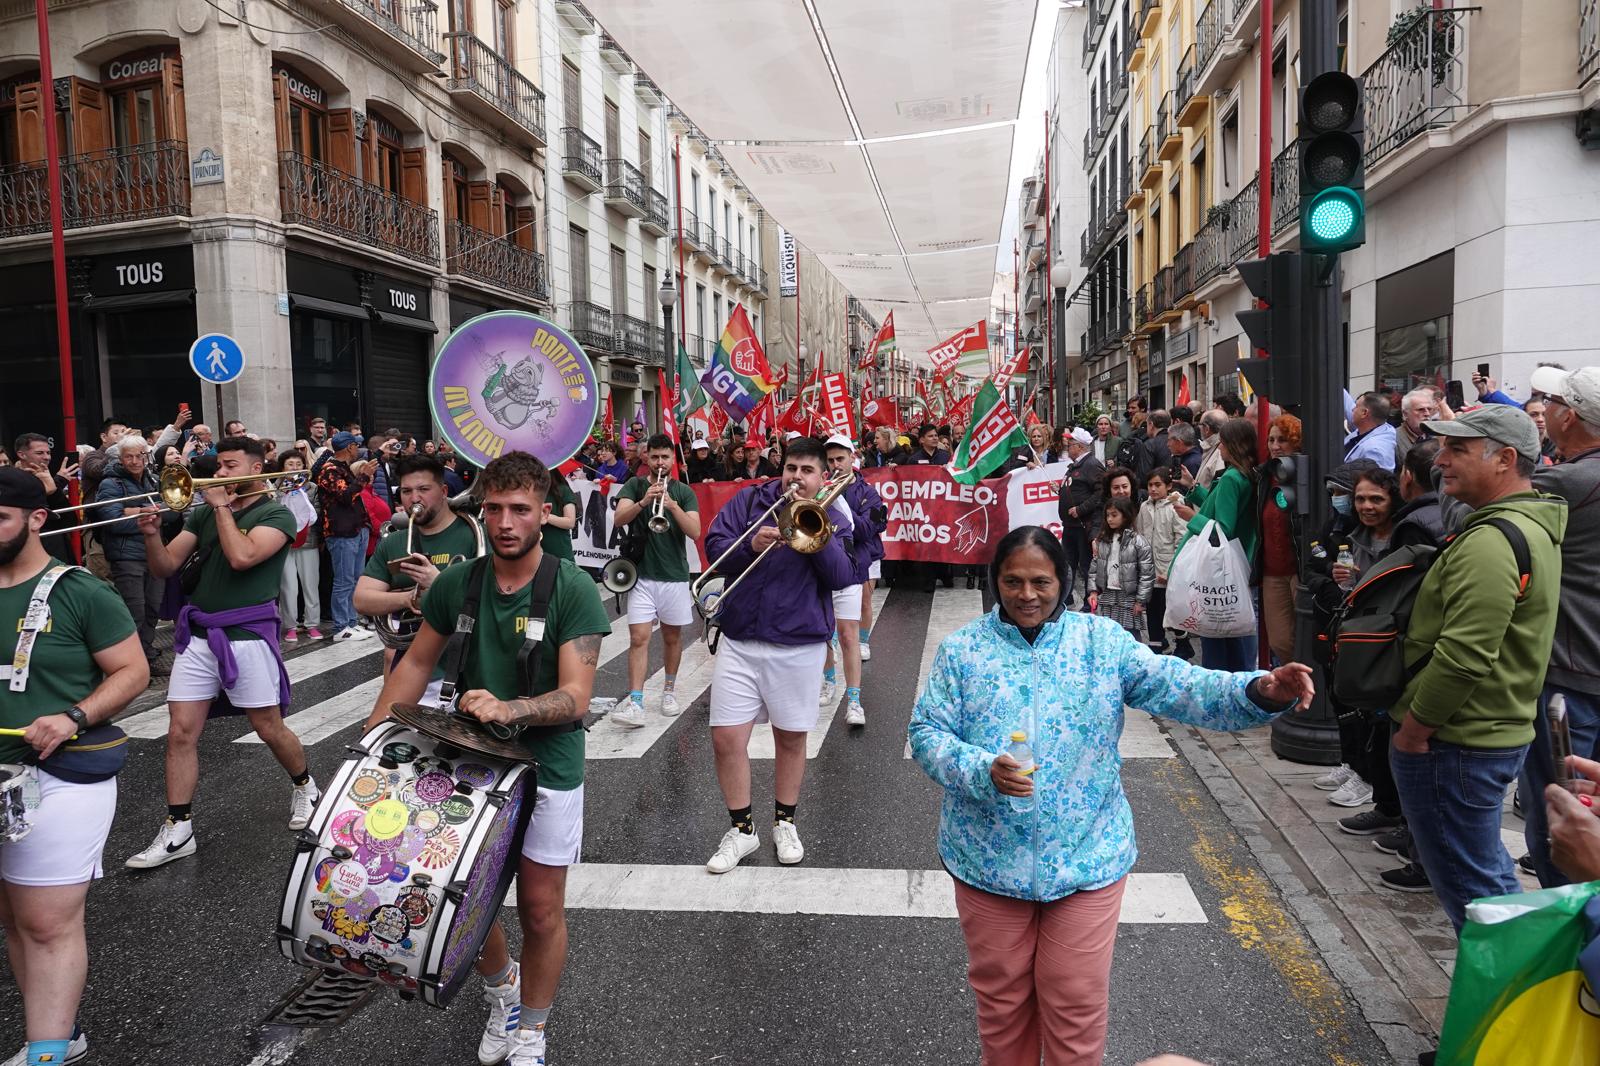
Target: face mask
[1345,505]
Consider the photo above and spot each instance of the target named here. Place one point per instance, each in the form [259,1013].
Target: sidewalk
[1395,951]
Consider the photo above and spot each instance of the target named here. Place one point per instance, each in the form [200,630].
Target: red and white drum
[406,862]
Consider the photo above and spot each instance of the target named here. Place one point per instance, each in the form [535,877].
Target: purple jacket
[871,519]
[260,619]
[786,601]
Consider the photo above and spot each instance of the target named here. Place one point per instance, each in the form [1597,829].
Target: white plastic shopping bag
[304,511]
[1208,587]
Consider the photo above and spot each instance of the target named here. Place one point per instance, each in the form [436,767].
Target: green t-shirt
[664,558]
[575,611]
[86,616]
[222,588]
[558,542]
[455,539]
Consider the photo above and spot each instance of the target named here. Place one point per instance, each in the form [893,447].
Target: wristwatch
[79,719]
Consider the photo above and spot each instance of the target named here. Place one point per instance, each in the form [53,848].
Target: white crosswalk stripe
[608,740]
[1150,898]
[322,720]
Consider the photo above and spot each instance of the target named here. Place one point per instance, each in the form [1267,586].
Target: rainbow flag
[737,377]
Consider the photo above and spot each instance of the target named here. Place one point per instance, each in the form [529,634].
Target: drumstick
[19,732]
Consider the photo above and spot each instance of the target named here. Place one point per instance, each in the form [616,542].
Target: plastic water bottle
[1023,756]
[1347,559]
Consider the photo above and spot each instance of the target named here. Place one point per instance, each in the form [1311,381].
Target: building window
[700,309]
[571,95]
[619,280]
[716,310]
[711,214]
[578,263]
[505,37]
[1202,187]
[694,191]
[306,105]
[739,231]
[613,131]
[460,16]
[646,159]
[457,194]
[387,147]
[1228,165]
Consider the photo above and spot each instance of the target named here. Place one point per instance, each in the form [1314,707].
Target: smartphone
[1483,370]
[1455,395]
[183,408]
[1555,714]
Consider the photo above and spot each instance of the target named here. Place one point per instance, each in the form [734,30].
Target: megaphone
[619,576]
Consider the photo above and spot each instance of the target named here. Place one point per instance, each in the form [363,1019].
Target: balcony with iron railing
[590,325]
[474,253]
[1222,37]
[408,30]
[101,188]
[1286,187]
[613,55]
[625,192]
[1183,285]
[1149,165]
[1141,309]
[580,159]
[632,338]
[485,82]
[1093,29]
[1171,143]
[1419,83]
[1192,106]
[1162,298]
[1588,40]
[688,230]
[1149,15]
[725,256]
[325,198]
[759,283]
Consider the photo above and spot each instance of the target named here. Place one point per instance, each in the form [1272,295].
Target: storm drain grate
[324,998]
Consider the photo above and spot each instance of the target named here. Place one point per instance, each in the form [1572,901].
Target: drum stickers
[413,822]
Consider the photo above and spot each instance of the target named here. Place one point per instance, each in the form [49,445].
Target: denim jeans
[1080,563]
[349,555]
[1452,799]
[1228,653]
[1583,722]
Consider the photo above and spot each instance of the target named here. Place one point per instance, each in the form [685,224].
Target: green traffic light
[1334,215]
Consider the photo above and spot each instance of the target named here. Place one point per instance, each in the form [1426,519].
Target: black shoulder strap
[1519,549]
[453,663]
[528,657]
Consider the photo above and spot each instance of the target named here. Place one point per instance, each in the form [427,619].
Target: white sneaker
[1353,793]
[854,714]
[75,1051]
[629,713]
[527,1047]
[787,840]
[866,651]
[1334,778]
[302,801]
[669,704]
[353,633]
[174,841]
[735,845]
[830,689]
[505,1009]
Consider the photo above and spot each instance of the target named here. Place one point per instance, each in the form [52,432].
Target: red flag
[717,419]
[609,423]
[962,409]
[1183,390]
[669,425]
[922,394]
[882,344]
[782,377]
[1018,364]
[797,417]
[1033,418]
[835,412]
[975,338]
[761,419]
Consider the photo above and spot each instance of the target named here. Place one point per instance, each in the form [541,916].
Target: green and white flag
[993,436]
[691,397]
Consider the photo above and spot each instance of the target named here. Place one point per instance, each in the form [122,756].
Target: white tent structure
[877,132]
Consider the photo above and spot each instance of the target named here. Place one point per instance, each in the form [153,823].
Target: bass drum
[406,862]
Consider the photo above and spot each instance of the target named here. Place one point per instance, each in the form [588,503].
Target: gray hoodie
[1575,654]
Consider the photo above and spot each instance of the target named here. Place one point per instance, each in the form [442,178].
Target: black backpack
[1130,453]
[1368,633]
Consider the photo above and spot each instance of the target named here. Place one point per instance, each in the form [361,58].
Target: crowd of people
[1488,499]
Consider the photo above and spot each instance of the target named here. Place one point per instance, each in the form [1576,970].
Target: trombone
[802,524]
[658,517]
[177,490]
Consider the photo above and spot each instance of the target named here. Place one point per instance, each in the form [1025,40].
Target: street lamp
[667,296]
[1060,278]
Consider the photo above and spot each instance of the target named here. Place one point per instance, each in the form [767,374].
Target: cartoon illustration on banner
[512,381]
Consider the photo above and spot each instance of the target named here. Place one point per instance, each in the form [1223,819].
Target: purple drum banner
[511,381]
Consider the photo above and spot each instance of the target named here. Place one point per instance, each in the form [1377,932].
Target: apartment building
[332,182]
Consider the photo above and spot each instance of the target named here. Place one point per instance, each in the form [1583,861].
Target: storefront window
[147,363]
[326,357]
[1418,354]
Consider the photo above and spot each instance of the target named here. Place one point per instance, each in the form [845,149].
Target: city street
[853,956]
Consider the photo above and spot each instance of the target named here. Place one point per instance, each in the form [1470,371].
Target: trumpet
[802,524]
[407,518]
[658,513]
[177,490]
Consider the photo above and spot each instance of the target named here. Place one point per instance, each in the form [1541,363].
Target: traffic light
[1276,330]
[1333,175]
[1293,476]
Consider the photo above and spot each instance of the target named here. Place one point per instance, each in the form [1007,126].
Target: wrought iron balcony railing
[590,325]
[625,187]
[689,230]
[413,23]
[656,216]
[1161,295]
[477,68]
[580,156]
[1186,79]
[1286,187]
[1588,40]
[1419,83]
[1182,273]
[633,337]
[98,188]
[325,198]
[1147,151]
[477,254]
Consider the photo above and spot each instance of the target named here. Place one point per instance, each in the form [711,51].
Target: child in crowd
[1124,572]
[1158,523]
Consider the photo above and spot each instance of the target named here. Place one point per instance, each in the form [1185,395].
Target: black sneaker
[1408,878]
[1526,865]
[1397,842]
[1369,823]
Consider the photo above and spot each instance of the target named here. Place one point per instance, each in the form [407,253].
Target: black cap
[18,488]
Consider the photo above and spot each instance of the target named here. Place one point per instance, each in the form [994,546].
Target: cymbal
[458,729]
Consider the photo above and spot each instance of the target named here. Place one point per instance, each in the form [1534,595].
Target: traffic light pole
[1313,737]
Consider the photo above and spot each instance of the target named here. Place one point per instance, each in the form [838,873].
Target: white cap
[792,434]
[839,440]
[1579,389]
[701,445]
[1082,436]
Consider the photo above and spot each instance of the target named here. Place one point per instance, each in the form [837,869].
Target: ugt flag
[738,377]
[991,439]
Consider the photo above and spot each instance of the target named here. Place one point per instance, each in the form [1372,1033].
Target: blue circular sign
[217,358]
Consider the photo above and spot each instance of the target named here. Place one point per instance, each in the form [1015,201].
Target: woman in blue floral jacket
[1039,890]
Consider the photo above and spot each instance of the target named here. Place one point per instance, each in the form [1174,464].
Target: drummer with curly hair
[72,659]
[549,711]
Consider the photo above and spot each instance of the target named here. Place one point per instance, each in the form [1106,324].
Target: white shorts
[70,826]
[875,571]
[431,694]
[555,829]
[666,602]
[847,604]
[196,677]
[754,681]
